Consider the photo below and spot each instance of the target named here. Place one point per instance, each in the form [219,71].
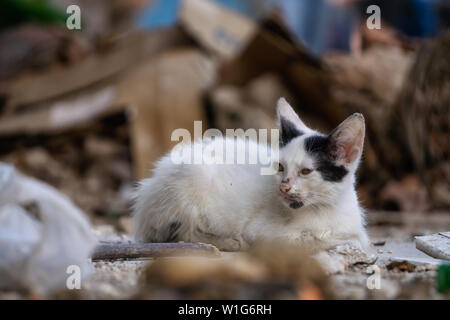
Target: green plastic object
[443,278]
[15,12]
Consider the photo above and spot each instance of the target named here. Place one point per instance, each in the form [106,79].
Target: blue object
[317,23]
[428,19]
[162,13]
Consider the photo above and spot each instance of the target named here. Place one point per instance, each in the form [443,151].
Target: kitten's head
[315,168]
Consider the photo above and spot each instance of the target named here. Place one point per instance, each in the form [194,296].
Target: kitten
[310,202]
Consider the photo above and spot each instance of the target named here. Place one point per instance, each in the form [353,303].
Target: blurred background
[89,111]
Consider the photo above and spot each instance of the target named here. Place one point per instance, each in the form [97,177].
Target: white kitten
[311,202]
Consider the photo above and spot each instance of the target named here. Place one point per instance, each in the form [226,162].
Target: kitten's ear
[347,140]
[289,123]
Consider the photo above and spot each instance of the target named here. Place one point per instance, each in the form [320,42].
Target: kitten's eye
[305,171]
[280,167]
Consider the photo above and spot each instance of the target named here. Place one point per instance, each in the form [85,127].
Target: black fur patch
[288,131]
[319,148]
[172,232]
[296,205]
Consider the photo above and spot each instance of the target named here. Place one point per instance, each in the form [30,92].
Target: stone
[436,245]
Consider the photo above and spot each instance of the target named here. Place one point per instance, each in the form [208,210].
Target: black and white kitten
[310,202]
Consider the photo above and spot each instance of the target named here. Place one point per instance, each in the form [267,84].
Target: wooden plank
[165,94]
[125,53]
[62,115]
[153,250]
[221,30]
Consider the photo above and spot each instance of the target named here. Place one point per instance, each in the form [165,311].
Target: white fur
[234,206]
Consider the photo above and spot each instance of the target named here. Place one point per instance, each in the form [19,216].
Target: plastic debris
[42,234]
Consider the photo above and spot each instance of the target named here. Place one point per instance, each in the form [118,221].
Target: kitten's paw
[354,254]
[232,244]
[339,258]
[331,264]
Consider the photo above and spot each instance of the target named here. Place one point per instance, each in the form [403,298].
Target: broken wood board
[63,114]
[301,72]
[436,245]
[165,94]
[218,29]
[121,55]
[153,250]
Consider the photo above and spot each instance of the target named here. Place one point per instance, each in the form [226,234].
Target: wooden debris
[423,110]
[96,68]
[153,250]
[165,94]
[63,114]
[218,29]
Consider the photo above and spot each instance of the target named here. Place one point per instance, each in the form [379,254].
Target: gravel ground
[393,241]
[392,236]
[120,279]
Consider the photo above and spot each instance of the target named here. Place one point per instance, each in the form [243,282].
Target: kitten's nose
[285,187]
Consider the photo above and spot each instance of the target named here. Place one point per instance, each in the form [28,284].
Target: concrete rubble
[435,245]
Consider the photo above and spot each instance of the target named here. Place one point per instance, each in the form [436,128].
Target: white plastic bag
[35,253]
